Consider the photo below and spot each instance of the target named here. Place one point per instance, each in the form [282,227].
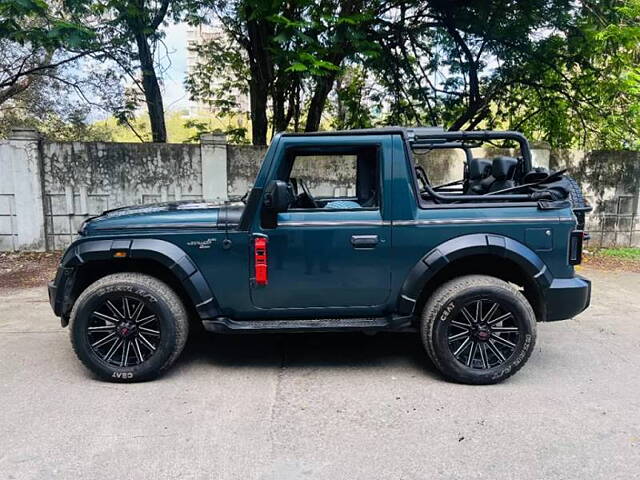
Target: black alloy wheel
[484,334]
[124,331]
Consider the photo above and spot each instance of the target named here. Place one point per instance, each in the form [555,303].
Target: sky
[175,95]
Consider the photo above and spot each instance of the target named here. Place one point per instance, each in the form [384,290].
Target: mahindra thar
[470,265]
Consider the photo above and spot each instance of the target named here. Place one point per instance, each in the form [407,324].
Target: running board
[227,325]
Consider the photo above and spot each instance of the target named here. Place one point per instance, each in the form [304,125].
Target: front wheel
[478,329]
[128,327]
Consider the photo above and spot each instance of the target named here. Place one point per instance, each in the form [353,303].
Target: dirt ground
[614,264]
[24,270]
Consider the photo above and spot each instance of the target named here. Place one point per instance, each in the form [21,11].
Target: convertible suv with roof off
[341,231]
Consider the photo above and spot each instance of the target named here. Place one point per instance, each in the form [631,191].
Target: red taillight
[260,255]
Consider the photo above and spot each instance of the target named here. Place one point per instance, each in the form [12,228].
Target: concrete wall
[611,184]
[21,193]
[48,189]
[84,179]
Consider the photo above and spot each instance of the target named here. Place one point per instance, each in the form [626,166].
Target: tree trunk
[152,93]
[259,122]
[261,78]
[316,107]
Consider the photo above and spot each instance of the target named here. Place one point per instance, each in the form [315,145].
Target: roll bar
[436,137]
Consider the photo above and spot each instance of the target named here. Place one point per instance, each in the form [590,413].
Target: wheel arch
[90,260]
[488,254]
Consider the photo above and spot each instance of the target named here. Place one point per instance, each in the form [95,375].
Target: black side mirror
[277,196]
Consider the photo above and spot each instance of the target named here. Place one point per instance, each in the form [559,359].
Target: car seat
[503,169]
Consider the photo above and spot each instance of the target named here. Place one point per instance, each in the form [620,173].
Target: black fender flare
[165,253]
[465,246]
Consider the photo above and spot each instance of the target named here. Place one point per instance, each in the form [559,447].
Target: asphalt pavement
[325,406]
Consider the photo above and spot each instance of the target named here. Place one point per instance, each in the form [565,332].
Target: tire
[577,199]
[453,307]
[139,311]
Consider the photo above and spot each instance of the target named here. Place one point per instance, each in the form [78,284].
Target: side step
[227,325]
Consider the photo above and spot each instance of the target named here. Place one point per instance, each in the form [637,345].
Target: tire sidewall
[450,309]
[150,367]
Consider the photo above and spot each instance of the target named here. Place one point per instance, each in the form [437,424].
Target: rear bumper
[567,297]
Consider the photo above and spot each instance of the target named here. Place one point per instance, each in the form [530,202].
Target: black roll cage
[430,138]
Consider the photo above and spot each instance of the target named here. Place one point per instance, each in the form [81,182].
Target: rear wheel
[478,329]
[128,327]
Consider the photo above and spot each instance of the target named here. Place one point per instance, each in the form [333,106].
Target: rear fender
[467,246]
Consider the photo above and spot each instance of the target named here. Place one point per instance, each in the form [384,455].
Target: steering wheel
[306,195]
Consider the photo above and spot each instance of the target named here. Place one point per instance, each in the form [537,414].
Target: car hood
[167,215]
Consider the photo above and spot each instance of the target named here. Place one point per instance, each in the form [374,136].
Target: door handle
[364,241]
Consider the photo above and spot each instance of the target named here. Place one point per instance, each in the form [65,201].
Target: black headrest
[503,167]
[479,168]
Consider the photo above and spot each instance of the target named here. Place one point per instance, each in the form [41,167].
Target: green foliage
[623,253]
[181,128]
[559,70]
[348,110]
[41,25]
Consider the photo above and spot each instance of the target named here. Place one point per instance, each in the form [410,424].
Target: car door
[336,255]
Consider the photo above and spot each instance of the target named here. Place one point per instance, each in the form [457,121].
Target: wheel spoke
[102,328]
[115,347]
[137,311]
[478,311]
[489,315]
[496,351]
[137,350]
[146,320]
[452,338]
[499,319]
[503,341]
[458,324]
[505,329]
[114,310]
[125,354]
[126,307]
[103,340]
[146,342]
[155,333]
[106,318]
[472,354]
[462,347]
[483,354]
[467,316]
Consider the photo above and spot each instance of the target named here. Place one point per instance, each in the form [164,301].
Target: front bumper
[567,297]
[60,294]
[53,289]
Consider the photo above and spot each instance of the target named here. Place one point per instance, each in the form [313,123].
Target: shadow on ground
[308,350]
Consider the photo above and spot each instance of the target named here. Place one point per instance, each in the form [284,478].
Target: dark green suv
[470,265]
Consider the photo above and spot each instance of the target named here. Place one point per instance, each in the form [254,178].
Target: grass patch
[621,253]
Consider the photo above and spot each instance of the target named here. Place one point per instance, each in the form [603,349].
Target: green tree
[126,23]
[556,69]
[36,39]
[289,56]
